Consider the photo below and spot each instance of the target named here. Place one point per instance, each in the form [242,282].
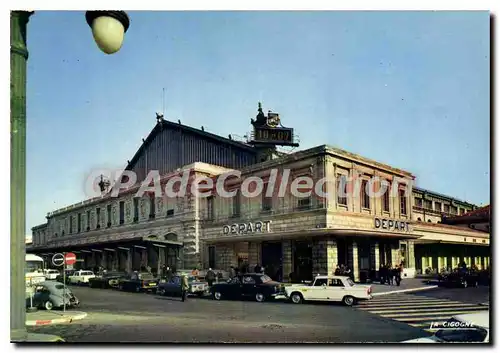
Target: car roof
[481,319]
[50,283]
[326,276]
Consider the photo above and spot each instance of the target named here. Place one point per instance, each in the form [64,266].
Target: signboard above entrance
[245,228]
[390,224]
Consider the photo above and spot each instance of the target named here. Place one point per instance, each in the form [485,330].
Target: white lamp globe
[108,29]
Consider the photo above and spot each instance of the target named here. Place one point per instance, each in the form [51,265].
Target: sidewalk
[52,317]
[407,285]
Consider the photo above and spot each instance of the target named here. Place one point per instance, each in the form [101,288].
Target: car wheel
[120,286]
[48,305]
[296,298]
[464,284]
[217,295]
[348,300]
[260,297]
[137,289]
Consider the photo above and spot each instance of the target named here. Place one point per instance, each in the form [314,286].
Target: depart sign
[390,224]
[245,228]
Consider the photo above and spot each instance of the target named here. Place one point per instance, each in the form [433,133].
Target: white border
[240,5]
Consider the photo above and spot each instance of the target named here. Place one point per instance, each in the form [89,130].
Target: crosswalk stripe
[430,310]
[403,300]
[425,319]
[397,305]
[467,311]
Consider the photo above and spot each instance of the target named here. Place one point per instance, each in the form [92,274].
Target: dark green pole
[18,60]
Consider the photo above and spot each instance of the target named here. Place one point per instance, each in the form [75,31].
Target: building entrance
[302,261]
[272,257]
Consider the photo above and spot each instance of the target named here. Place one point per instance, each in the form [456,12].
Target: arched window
[419,219]
[429,221]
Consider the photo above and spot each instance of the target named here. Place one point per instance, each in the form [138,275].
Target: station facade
[300,235]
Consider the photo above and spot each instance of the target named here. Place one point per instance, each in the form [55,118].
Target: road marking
[418,305]
[413,310]
[466,311]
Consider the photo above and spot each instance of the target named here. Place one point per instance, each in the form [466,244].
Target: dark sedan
[107,280]
[138,282]
[250,285]
[459,279]
[60,278]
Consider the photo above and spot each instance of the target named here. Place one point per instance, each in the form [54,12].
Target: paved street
[471,295]
[120,316]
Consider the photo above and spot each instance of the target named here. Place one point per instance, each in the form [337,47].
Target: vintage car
[138,282]
[252,285]
[465,328]
[459,279]
[81,277]
[52,294]
[329,288]
[51,274]
[172,286]
[107,280]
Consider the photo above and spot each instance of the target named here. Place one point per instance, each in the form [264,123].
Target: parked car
[59,278]
[138,282]
[459,279]
[172,286]
[52,294]
[51,274]
[329,288]
[259,286]
[466,328]
[107,280]
[81,277]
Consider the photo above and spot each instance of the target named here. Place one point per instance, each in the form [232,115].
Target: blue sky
[407,89]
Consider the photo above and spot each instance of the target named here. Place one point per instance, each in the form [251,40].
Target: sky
[410,89]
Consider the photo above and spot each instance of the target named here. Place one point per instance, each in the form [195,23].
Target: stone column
[255,254]
[104,258]
[161,258]
[128,266]
[376,256]
[332,255]
[287,264]
[144,257]
[410,256]
[353,250]
[394,254]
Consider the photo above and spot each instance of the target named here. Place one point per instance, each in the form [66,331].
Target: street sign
[70,258]
[58,259]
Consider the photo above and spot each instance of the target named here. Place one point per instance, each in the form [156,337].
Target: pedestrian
[210,277]
[381,274]
[232,272]
[257,268]
[399,270]
[390,277]
[184,287]
[195,273]
[337,271]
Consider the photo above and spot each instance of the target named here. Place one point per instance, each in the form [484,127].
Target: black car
[459,279]
[60,277]
[251,285]
[138,282]
[107,280]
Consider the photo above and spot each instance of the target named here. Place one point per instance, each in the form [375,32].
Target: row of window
[121,213]
[439,207]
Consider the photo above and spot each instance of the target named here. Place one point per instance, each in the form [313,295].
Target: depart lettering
[390,224]
[250,227]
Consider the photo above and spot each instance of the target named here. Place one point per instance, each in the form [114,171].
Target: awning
[429,242]
[155,239]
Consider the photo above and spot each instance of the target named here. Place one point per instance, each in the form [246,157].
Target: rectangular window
[108,216]
[210,207]
[453,210]
[98,217]
[428,205]
[79,225]
[88,220]
[236,204]
[70,224]
[418,202]
[342,190]
[170,212]
[446,208]
[122,212]
[267,202]
[437,206]
[386,198]
[152,207]
[365,197]
[136,209]
[462,211]
[402,200]
[304,203]
[211,256]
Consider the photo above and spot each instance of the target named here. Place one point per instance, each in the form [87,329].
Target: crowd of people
[389,274]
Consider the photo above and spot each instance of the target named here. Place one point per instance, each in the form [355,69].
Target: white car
[466,328]
[51,274]
[329,288]
[80,277]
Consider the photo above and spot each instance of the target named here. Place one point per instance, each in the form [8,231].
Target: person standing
[232,272]
[210,277]
[184,287]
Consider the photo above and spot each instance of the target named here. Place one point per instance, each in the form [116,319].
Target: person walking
[184,287]
[389,274]
[210,277]
[232,272]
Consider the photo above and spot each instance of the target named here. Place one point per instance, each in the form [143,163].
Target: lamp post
[108,29]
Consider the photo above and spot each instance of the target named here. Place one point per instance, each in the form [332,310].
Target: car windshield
[461,334]
[59,286]
[350,282]
[265,279]
[146,276]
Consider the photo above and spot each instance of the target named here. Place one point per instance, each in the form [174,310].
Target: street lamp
[108,29]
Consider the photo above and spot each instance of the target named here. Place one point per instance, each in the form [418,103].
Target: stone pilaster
[104,258]
[226,257]
[332,255]
[287,259]
[410,256]
[353,260]
[254,253]
[144,257]
[128,266]
[325,255]
[394,254]
[376,257]
[161,258]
